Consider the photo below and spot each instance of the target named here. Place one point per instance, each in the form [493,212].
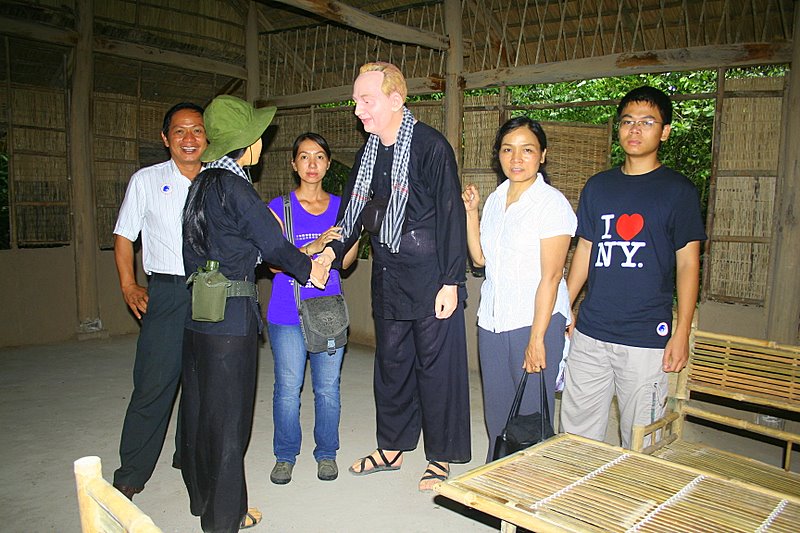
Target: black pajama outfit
[220,358]
[421,380]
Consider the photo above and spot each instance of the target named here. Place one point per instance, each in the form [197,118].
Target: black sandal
[249,519]
[384,467]
[432,474]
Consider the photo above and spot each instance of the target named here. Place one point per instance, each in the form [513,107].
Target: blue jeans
[289,353]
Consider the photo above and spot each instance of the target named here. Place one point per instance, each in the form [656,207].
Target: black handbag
[523,431]
[323,320]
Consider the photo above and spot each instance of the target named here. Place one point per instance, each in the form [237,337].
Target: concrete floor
[61,402]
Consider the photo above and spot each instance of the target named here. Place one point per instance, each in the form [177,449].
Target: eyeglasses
[643,124]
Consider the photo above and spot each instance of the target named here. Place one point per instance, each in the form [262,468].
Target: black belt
[242,288]
[172,278]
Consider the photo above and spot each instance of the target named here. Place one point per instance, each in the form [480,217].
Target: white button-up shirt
[153,205]
[510,239]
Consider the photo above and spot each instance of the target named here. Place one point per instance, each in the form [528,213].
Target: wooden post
[251,53]
[783,307]
[454,94]
[84,226]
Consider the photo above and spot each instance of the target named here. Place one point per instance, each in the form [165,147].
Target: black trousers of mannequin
[219,379]
[421,382]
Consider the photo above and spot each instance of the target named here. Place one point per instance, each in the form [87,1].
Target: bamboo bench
[754,372]
[103,508]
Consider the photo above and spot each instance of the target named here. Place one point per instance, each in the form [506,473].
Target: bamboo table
[570,483]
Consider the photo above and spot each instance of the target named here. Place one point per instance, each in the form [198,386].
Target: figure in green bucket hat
[224,220]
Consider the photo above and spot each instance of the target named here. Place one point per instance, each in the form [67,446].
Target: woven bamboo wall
[574,151]
[130,100]
[743,191]
[34,114]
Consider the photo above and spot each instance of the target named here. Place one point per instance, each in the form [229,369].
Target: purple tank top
[307,227]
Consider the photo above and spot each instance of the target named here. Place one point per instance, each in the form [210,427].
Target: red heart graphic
[628,226]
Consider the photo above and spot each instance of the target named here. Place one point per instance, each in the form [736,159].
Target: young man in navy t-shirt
[639,229]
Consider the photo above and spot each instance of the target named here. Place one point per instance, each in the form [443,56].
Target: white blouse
[510,239]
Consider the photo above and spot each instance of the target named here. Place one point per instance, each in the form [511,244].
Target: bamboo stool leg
[507,527]
[87,469]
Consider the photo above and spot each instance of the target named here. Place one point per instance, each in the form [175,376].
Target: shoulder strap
[287,222]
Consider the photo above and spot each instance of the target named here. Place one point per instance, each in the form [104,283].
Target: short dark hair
[649,95]
[311,136]
[508,127]
[174,109]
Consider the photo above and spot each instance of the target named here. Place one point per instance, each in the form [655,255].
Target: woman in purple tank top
[313,217]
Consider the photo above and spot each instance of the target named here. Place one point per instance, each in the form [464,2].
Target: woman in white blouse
[522,240]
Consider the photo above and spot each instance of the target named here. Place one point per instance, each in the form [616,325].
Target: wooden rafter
[695,58]
[363,21]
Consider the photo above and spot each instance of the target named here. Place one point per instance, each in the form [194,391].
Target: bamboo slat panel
[151,120]
[569,483]
[775,83]
[276,177]
[749,132]
[739,271]
[43,108]
[115,116]
[480,128]
[285,128]
[432,115]
[744,206]
[738,365]
[486,182]
[39,225]
[339,127]
[731,465]
[575,152]
[40,167]
[25,139]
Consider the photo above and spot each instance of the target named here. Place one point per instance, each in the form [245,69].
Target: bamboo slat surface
[758,372]
[569,483]
[731,465]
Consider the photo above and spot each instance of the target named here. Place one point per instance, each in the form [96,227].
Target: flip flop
[432,474]
[249,519]
[384,467]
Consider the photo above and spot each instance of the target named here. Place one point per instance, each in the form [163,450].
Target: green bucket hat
[231,123]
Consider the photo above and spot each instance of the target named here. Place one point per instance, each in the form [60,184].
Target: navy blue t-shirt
[635,225]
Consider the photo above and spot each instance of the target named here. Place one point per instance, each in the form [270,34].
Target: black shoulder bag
[324,320]
[523,431]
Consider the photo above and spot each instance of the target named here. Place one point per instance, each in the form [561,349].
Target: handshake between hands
[321,268]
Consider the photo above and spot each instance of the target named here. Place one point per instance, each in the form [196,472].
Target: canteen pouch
[209,293]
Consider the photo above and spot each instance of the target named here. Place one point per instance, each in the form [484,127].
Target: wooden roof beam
[363,21]
[344,93]
[66,37]
[678,59]
[37,32]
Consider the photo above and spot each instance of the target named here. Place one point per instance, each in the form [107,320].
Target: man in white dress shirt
[152,207]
